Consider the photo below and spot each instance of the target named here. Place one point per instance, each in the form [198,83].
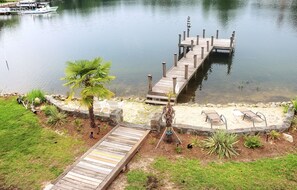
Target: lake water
[137,36]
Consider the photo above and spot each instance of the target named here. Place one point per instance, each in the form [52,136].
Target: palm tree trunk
[92,116]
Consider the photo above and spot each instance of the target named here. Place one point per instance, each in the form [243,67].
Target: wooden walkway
[100,165]
[195,52]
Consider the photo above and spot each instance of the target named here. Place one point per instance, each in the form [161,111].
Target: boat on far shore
[28,7]
[41,10]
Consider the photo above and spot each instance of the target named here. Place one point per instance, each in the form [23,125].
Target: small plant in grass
[274,135]
[35,96]
[141,180]
[221,143]
[78,124]
[178,149]
[252,141]
[55,117]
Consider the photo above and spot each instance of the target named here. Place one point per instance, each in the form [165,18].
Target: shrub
[195,142]
[55,117]
[221,143]
[252,141]
[78,124]
[35,96]
[49,109]
[273,135]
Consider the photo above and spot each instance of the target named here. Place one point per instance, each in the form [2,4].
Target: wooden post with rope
[168,114]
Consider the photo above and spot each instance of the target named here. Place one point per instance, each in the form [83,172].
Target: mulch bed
[269,149]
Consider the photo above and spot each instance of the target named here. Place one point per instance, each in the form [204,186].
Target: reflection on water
[138,35]
[226,10]
[193,92]
[8,21]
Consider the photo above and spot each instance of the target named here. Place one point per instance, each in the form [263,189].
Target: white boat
[4,11]
[42,10]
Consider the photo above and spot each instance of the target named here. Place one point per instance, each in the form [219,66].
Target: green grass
[279,173]
[137,180]
[30,154]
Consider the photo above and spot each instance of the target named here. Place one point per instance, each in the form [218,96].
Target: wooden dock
[100,165]
[193,51]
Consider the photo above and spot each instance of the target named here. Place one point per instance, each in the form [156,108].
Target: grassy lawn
[30,154]
[278,173]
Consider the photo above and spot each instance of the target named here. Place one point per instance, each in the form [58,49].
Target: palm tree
[88,77]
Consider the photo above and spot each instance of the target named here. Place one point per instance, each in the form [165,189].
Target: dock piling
[179,39]
[164,69]
[217,34]
[150,79]
[174,84]
[192,45]
[186,71]
[207,46]
[197,40]
[188,26]
[231,42]
[185,51]
[211,42]
[203,33]
[184,35]
[195,61]
[175,60]
[202,52]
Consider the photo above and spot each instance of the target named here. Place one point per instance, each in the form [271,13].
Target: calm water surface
[137,36]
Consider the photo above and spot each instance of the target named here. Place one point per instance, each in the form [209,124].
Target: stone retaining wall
[113,118]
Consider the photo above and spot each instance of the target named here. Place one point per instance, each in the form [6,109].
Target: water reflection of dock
[193,51]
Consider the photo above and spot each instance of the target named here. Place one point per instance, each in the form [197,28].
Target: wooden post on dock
[217,34]
[150,79]
[164,69]
[231,42]
[207,46]
[195,61]
[188,26]
[197,40]
[175,60]
[179,39]
[185,51]
[203,33]
[186,71]
[192,45]
[174,84]
[211,41]
[202,52]
[184,37]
